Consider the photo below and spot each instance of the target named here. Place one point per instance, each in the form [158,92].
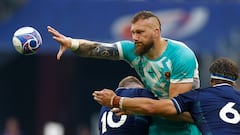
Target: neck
[157,49]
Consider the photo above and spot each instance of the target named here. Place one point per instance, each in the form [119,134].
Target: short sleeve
[126,50]
[184,102]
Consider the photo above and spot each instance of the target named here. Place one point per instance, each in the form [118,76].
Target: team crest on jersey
[167,75]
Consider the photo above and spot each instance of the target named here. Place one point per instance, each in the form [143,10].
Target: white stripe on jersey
[178,108]
[120,50]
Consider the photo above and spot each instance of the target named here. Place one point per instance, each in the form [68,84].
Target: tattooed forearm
[98,50]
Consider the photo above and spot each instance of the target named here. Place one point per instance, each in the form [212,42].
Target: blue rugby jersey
[216,110]
[109,124]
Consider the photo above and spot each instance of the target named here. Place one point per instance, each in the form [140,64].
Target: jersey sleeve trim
[177,106]
[120,50]
[182,80]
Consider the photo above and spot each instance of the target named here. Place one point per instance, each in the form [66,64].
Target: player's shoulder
[125,48]
[125,42]
[181,51]
[212,90]
[125,45]
[134,92]
[175,43]
[230,90]
[178,45]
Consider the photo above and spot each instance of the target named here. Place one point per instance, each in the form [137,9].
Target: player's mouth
[138,44]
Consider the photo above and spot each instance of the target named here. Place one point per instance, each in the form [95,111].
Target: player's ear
[156,33]
[211,82]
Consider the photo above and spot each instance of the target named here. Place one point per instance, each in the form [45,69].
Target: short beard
[143,49]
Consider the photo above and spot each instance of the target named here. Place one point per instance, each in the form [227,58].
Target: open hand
[64,42]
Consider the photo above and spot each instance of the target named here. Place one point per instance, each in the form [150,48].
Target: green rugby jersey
[177,64]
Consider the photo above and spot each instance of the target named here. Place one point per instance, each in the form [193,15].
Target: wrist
[74,44]
[117,102]
[112,99]
[121,103]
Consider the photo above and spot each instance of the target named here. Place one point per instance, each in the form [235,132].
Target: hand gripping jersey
[109,124]
[177,64]
[216,110]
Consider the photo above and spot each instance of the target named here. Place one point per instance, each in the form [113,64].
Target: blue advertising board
[205,27]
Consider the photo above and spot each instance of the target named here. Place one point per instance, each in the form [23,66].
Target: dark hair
[224,67]
[145,15]
[130,81]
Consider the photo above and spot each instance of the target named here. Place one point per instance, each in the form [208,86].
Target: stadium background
[39,89]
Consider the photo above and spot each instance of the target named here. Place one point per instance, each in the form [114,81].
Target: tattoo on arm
[98,50]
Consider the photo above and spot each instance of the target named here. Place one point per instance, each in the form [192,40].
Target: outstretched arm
[146,106]
[84,48]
